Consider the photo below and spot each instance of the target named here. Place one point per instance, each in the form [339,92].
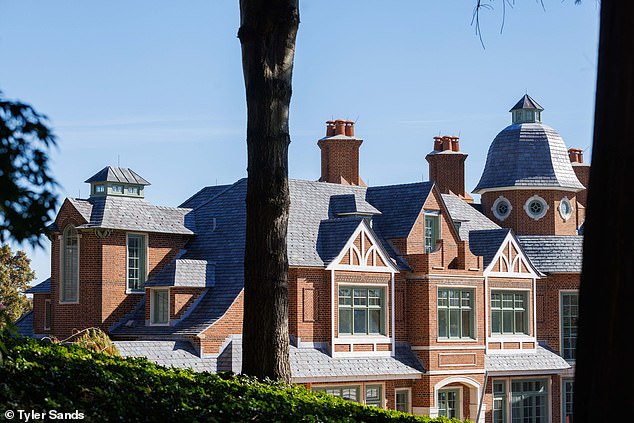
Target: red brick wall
[229,324]
[551,224]
[447,171]
[181,299]
[310,304]
[340,161]
[548,299]
[39,311]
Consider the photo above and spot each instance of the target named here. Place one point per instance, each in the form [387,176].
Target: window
[536,207]
[401,400]
[529,401]
[431,231]
[160,306]
[136,262]
[70,266]
[361,311]
[100,189]
[565,208]
[501,208]
[509,312]
[566,401]
[47,314]
[499,402]
[117,189]
[373,395]
[133,189]
[448,403]
[455,313]
[569,316]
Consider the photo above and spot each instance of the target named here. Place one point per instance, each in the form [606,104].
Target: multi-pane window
[117,189]
[361,311]
[567,400]
[431,231]
[70,266]
[455,313]
[569,315]
[160,306]
[402,400]
[136,262]
[448,403]
[529,401]
[509,312]
[373,394]
[499,402]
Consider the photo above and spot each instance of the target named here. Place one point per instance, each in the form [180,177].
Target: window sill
[135,292]
[364,339]
[455,340]
[69,302]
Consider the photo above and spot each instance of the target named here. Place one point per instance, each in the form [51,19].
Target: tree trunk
[267,33]
[603,382]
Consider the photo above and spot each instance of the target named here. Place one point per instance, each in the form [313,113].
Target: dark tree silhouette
[604,371]
[267,33]
[26,186]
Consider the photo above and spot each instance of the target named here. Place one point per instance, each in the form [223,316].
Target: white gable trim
[502,257]
[374,251]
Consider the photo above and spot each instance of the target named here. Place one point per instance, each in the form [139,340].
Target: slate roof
[350,204]
[178,354]
[554,253]
[24,324]
[528,155]
[203,196]
[400,205]
[540,360]
[117,174]
[526,102]
[185,272]
[486,243]
[310,364]
[133,214]
[314,235]
[470,219]
[43,287]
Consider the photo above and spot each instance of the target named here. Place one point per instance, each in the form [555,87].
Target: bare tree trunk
[603,382]
[268,30]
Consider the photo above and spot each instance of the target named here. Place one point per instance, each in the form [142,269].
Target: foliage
[26,197]
[42,375]
[94,339]
[15,277]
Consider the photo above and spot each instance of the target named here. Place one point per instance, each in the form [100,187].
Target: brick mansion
[409,297]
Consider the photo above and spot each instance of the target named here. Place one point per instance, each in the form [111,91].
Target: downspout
[393,315]
[332,312]
[484,389]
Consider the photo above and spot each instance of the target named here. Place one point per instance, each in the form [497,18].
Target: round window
[536,207]
[501,208]
[565,208]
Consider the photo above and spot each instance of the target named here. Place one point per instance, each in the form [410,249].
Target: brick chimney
[446,167]
[582,170]
[340,154]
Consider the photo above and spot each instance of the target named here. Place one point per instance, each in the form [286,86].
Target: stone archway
[470,391]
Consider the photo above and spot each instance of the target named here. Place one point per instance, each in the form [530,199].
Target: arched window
[69,272]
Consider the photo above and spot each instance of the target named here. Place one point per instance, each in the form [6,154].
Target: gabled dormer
[117,181]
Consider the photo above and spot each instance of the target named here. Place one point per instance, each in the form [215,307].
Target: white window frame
[565,216]
[545,207]
[47,319]
[473,324]
[563,292]
[152,292]
[127,261]
[496,203]
[384,311]
[62,247]
[435,231]
[458,400]
[563,397]
[361,389]
[409,398]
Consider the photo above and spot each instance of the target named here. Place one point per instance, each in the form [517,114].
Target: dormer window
[100,189]
[133,189]
[117,189]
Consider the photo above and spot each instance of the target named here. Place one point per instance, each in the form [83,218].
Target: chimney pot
[446,143]
[340,127]
[350,128]
[576,155]
[455,146]
[330,128]
[437,143]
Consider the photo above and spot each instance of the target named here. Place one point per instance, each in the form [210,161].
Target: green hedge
[40,375]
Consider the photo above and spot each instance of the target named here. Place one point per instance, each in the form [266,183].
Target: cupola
[117,181]
[527,110]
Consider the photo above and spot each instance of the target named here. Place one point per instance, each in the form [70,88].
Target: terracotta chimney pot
[446,143]
[330,128]
[350,128]
[340,127]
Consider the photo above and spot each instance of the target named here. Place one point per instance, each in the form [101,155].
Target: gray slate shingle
[179,354]
[185,273]
[528,155]
[43,287]
[24,324]
[117,174]
[469,217]
[540,359]
[554,253]
[486,243]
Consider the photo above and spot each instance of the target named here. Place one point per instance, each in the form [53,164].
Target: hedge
[39,375]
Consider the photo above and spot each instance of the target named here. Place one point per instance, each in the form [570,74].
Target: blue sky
[157,85]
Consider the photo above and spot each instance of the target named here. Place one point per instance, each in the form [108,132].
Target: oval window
[501,208]
[536,207]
